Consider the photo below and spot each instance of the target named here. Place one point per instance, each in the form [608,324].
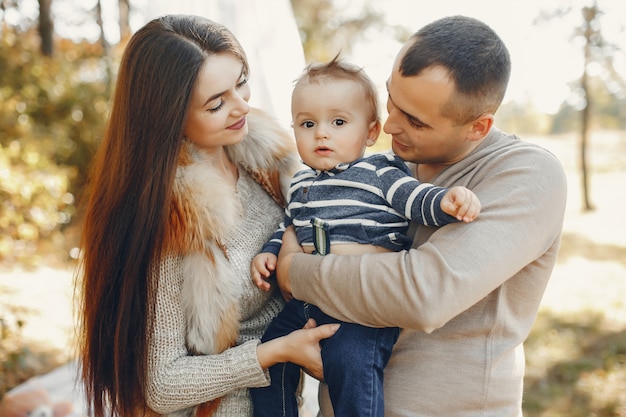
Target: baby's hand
[261,268]
[461,203]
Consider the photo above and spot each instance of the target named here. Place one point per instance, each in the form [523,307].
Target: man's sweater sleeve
[449,269]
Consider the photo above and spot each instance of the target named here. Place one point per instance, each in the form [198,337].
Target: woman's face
[219,104]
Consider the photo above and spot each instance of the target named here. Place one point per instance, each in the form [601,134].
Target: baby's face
[332,122]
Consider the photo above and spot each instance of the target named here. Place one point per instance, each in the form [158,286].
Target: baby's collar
[340,167]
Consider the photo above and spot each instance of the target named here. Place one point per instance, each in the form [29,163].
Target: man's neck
[426,172]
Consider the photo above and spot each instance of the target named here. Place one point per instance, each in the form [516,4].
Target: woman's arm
[177,380]
[301,347]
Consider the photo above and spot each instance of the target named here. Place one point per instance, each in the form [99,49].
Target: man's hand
[289,248]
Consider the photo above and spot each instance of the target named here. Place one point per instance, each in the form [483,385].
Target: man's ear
[480,127]
[373,133]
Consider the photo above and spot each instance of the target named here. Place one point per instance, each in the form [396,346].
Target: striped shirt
[368,201]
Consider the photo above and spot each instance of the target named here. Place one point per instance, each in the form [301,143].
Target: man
[466,295]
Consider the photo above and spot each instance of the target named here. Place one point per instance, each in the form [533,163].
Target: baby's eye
[339,122]
[307,124]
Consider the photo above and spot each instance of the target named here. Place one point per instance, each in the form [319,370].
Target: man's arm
[457,266]
[288,250]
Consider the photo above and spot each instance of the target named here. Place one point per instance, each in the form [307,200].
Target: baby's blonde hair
[338,69]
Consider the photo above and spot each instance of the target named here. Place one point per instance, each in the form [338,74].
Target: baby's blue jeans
[354,359]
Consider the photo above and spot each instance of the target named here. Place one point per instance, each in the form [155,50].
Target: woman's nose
[242,105]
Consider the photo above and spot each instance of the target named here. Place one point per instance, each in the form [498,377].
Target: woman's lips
[238,125]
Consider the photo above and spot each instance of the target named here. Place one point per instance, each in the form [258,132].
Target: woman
[183,194]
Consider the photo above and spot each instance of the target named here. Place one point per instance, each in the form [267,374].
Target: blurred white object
[42,411]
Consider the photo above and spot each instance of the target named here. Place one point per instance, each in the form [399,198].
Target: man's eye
[414,124]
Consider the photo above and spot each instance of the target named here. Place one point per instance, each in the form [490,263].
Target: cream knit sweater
[176,380]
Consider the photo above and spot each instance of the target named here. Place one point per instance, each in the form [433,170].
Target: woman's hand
[301,347]
[289,247]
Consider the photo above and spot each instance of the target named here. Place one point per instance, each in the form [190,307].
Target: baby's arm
[261,268]
[422,202]
[461,203]
[264,263]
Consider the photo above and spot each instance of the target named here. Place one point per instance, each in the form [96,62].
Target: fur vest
[203,210]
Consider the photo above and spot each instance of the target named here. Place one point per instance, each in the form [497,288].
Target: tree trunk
[100,22]
[584,133]
[589,15]
[106,49]
[45,27]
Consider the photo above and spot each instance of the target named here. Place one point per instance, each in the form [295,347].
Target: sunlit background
[53,109]
[547,56]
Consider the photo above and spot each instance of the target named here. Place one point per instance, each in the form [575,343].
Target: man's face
[419,131]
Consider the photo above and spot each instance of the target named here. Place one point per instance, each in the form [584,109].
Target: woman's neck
[227,169]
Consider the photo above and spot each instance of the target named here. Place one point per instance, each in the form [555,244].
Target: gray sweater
[176,379]
[466,295]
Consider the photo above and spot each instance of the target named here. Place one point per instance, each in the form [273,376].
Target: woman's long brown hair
[128,201]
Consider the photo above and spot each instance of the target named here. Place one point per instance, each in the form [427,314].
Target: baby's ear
[373,132]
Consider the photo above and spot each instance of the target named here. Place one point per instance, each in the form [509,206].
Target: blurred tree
[52,112]
[609,111]
[596,50]
[100,22]
[567,119]
[523,117]
[124,13]
[593,38]
[45,27]
[323,30]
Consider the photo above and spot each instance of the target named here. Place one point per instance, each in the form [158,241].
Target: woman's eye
[216,108]
[242,82]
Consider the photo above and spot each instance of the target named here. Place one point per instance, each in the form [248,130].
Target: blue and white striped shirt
[368,201]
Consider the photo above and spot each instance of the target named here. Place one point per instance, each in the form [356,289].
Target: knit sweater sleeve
[417,201]
[177,380]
